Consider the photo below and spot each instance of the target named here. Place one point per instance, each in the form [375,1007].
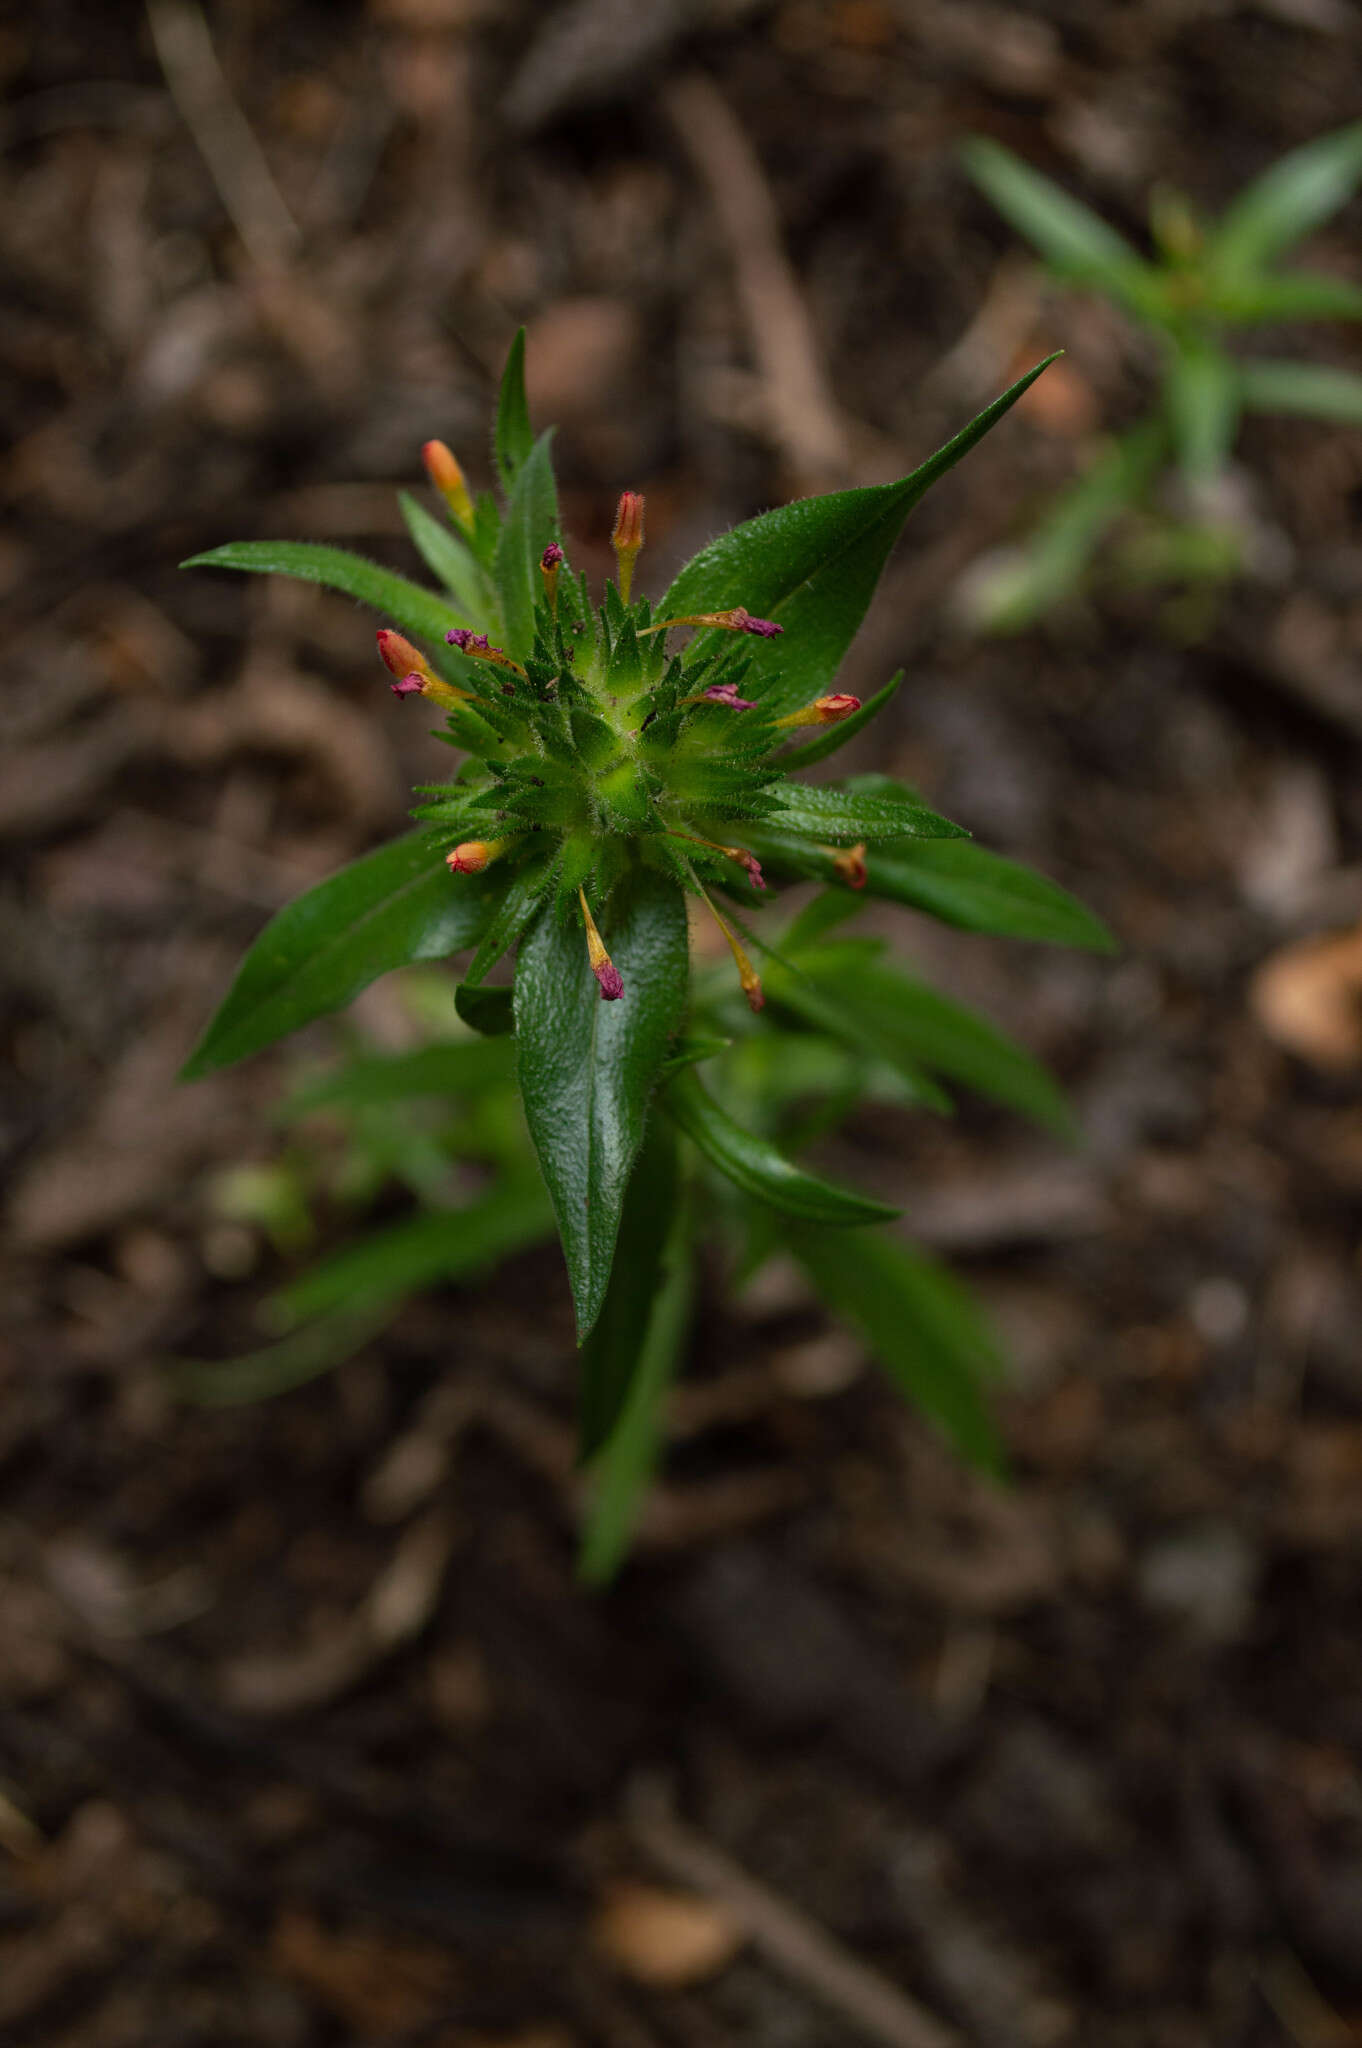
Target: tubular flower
[823,711]
[849,864]
[414,674]
[747,973]
[447,477]
[476,646]
[602,966]
[725,693]
[476,854]
[735,621]
[550,562]
[627,538]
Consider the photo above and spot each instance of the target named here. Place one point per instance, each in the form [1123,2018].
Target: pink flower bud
[408,686]
[602,966]
[551,557]
[727,693]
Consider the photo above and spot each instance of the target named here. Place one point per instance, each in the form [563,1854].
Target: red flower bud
[823,711]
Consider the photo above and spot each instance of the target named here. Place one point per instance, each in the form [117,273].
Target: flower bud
[474,855]
[477,647]
[627,538]
[747,973]
[734,621]
[447,477]
[550,562]
[849,864]
[727,693]
[602,966]
[414,674]
[823,711]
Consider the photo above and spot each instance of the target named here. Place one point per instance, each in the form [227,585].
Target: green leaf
[835,736]
[461,1068]
[963,884]
[415,610]
[624,1467]
[1202,393]
[1298,192]
[812,566]
[525,892]
[1022,585]
[443,1244]
[531,523]
[837,1013]
[513,438]
[921,1325]
[840,814]
[588,1067]
[451,559]
[912,1024]
[613,1351]
[688,1052]
[1076,241]
[488,1010]
[292,1361]
[1287,295]
[392,907]
[757,1168]
[1314,391]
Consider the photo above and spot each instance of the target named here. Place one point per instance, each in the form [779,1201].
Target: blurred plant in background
[604,778]
[1163,489]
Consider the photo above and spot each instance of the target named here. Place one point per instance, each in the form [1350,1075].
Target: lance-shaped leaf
[757,1168]
[392,907]
[488,1010]
[962,883]
[838,814]
[1298,192]
[524,893]
[1315,391]
[513,437]
[912,1024]
[451,559]
[415,610]
[920,1325]
[626,1463]
[612,1353]
[1202,394]
[588,1067]
[1287,295]
[446,1244]
[812,567]
[531,522]
[1078,242]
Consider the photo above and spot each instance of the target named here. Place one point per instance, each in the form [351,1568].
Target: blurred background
[307,1735]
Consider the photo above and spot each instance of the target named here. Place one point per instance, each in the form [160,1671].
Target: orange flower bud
[823,711]
[849,863]
[414,674]
[627,538]
[747,973]
[474,855]
[447,477]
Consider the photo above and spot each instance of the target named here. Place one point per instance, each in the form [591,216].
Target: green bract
[617,759]
[1205,281]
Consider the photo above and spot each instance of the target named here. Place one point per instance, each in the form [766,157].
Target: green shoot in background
[615,764]
[1204,282]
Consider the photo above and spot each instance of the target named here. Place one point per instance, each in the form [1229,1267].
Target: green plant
[1204,283]
[606,780]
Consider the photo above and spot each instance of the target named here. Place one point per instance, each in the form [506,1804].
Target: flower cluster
[606,745]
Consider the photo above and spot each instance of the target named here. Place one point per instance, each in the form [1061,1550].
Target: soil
[307,1734]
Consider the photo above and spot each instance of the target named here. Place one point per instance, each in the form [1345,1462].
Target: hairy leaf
[812,566]
[415,610]
[513,437]
[588,1067]
[840,814]
[758,1168]
[612,1353]
[964,884]
[531,523]
[449,556]
[392,907]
